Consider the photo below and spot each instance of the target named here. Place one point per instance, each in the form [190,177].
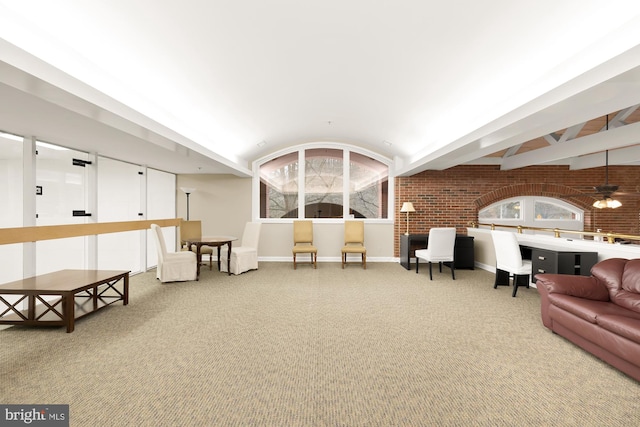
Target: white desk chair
[509,262]
[440,249]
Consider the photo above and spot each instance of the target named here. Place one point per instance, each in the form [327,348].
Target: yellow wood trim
[49,232]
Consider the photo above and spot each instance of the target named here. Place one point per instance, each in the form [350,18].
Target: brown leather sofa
[600,313]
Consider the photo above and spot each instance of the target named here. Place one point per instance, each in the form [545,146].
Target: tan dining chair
[173,266]
[354,241]
[193,230]
[303,241]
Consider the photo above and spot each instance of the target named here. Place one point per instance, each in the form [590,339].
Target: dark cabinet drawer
[561,262]
[543,261]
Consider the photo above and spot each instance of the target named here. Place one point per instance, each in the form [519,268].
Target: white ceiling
[193,86]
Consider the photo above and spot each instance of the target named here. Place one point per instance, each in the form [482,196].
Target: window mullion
[346,179]
[301,184]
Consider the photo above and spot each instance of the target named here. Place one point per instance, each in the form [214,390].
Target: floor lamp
[407,207]
[187,191]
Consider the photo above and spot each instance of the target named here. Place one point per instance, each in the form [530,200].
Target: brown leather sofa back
[622,279]
[629,295]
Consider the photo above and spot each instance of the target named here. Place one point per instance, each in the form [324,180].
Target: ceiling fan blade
[596,195]
[624,194]
[606,189]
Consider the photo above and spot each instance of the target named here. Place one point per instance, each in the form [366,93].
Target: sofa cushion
[631,276]
[622,279]
[628,295]
[621,325]
[586,309]
[610,272]
[626,299]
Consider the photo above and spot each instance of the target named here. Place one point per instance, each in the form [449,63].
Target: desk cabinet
[561,262]
[464,255]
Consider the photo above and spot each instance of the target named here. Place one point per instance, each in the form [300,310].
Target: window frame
[300,149]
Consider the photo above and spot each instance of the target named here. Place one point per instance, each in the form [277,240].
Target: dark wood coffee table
[57,299]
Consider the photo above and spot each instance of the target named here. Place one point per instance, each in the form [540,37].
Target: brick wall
[454,196]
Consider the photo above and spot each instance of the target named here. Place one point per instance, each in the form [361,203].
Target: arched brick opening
[543,190]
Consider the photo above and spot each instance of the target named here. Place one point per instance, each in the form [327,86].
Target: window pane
[552,211]
[279,187]
[508,210]
[368,187]
[323,183]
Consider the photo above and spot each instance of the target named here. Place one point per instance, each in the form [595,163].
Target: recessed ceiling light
[261,143]
[387,143]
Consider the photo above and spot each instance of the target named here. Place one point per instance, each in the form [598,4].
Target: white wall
[11,194]
[221,202]
[117,193]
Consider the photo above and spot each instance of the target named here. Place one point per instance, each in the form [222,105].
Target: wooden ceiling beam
[614,138]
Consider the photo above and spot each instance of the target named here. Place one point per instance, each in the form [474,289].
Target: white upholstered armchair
[245,256]
[173,266]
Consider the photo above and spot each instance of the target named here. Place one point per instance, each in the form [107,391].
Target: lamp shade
[407,207]
[607,203]
[187,190]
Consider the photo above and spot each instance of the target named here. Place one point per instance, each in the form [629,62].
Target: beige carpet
[325,347]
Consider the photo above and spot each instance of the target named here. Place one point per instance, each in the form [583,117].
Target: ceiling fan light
[607,203]
[613,203]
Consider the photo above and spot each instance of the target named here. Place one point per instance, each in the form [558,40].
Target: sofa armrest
[577,286]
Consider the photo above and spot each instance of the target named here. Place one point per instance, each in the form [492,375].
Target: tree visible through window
[322,185]
[505,210]
[548,210]
[279,187]
[368,187]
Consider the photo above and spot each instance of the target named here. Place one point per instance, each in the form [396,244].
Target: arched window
[532,211]
[323,181]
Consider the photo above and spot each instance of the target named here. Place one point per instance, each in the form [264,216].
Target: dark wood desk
[212,241]
[57,299]
[464,254]
[549,259]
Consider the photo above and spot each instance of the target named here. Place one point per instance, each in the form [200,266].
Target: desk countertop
[605,250]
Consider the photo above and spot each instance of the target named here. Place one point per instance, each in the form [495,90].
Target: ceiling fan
[606,191]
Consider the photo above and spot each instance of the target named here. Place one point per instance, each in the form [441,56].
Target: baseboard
[328,259]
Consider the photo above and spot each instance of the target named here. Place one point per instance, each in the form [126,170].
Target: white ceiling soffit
[90,121]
